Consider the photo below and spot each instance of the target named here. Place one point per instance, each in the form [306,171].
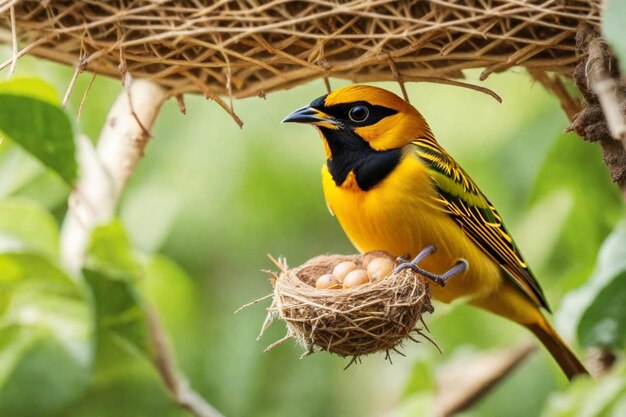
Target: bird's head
[375,117]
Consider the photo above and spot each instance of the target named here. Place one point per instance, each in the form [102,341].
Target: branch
[176,384]
[105,171]
[464,383]
[600,361]
[603,117]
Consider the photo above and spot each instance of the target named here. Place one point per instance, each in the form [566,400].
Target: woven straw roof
[242,48]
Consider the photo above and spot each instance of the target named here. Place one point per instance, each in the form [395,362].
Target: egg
[370,256]
[356,278]
[342,269]
[327,281]
[379,268]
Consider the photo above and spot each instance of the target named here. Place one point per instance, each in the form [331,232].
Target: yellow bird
[394,188]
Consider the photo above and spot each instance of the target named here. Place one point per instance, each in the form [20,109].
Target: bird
[393,187]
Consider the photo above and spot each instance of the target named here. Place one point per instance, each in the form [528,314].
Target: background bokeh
[210,201]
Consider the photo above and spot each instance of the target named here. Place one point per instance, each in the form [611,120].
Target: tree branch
[105,171]
[176,384]
[463,383]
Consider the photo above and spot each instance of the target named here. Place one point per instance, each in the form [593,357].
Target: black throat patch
[350,153]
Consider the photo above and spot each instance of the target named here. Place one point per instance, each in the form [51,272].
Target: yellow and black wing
[478,218]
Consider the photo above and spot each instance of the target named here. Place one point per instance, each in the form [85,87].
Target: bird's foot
[460,267]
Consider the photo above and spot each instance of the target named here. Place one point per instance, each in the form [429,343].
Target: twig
[269,319]
[180,100]
[251,303]
[7,5]
[82,101]
[13,42]
[430,339]
[127,81]
[80,68]
[462,384]
[11,61]
[327,85]
[281,263]
[176,385]
[396,75]
[456,83]
[278,342]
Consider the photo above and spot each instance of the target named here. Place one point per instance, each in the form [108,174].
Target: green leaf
[110,249]
[45,188]
[613,21]
[165,285]
[119,310]
[421,379]
[43,129]
[44,376]
[123,384]
[33,291]
[604,322]
[44,336]
[29,269]
[595,204]
[31,87]
[112,273]
[25,225]
[586,397]
[594,308]
[420,404]
[17,168]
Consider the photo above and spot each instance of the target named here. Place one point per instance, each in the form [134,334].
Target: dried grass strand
[84,98]
[13,41]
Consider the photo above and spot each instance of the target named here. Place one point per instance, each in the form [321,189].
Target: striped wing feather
[478,218]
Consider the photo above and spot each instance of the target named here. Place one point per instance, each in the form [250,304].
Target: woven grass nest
[243,48]
[375,317]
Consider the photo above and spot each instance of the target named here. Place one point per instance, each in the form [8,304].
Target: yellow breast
[401,216]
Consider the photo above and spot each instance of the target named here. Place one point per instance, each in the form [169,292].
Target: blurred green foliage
[27,116]
[112,275]
[603,321]
[587,398]
[613,27]
[207,204]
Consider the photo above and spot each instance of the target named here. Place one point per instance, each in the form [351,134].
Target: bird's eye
[358,113]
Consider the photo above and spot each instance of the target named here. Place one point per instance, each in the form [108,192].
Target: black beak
[310,115]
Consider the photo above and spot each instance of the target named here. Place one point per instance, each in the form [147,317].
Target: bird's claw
[459,267]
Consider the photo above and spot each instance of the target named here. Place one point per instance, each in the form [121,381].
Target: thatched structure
[243,48]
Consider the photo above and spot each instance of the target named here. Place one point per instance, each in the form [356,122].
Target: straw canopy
[243,48]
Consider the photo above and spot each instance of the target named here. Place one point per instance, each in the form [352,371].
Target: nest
[243,48]
[375,317]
